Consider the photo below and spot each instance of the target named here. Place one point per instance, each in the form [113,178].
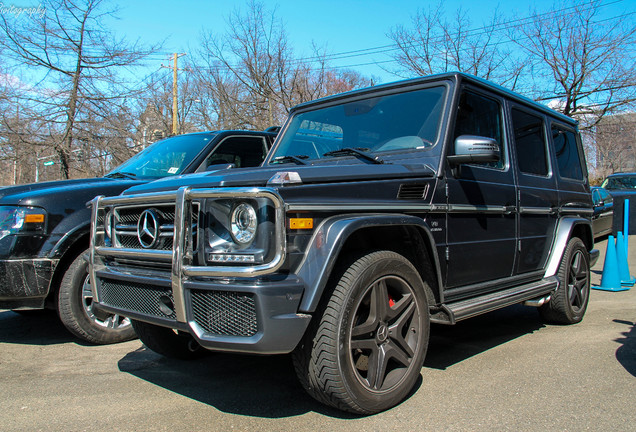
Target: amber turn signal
[34,218]
[301,223]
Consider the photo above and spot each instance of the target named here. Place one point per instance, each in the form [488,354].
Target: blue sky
[337,25]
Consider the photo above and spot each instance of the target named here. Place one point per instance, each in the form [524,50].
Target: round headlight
[244,223]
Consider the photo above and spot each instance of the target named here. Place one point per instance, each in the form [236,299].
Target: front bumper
[238,308]
[25,282]
[239,315]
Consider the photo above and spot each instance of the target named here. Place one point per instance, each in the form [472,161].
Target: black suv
[44,227]
[621,185]
[376,213]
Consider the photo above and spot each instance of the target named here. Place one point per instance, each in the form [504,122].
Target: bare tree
[584,62]
[157,101]
[433,44]
[254,53]
[74,64]
[249,77]
[615,144]
[314,78]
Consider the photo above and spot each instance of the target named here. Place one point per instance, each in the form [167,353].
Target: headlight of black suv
[21,220]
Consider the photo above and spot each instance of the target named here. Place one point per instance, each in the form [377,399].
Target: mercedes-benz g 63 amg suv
[377,212]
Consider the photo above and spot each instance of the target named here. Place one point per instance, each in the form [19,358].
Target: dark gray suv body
[376,213]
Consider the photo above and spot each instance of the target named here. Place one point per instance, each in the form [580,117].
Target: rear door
[538,196]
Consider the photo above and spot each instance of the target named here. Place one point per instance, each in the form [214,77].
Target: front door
[482,206]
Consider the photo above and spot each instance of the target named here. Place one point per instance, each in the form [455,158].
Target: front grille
[225,313]
[136,297]
[127,219]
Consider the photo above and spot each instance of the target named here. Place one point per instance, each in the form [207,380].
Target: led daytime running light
[231,258]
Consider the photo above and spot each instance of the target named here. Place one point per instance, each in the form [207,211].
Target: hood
[255,177]
[44,193]
[622,193]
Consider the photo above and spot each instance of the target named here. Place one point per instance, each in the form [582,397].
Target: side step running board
[452,312]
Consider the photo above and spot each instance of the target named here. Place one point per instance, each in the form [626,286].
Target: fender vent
[412,191]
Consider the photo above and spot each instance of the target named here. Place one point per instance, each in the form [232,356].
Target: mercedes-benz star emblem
[383,333]
[148,229]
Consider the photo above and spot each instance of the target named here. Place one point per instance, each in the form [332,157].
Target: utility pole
[175,94]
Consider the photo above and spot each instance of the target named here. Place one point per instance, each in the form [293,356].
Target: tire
[168,342]
[569,303]
[376,315]
[75,308]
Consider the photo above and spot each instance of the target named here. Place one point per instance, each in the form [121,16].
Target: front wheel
[365,348]
[79,315]
[569,303]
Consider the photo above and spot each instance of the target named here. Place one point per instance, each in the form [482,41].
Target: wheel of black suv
[168,342]
[75,308]
[569,302]
[366,345]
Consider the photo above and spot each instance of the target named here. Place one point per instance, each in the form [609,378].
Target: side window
[481,116]
[605,196]
[567,153]
[530,143]
[240,151]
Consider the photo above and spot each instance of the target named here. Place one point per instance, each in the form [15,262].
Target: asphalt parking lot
[502,371]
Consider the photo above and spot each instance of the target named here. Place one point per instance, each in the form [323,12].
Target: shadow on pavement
[266,386]
[257,386]
[452,344]
[40,327]
[626,353]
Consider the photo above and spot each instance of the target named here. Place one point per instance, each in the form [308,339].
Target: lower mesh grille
[135,297]
[225,313]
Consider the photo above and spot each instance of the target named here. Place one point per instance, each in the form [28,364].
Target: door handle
[510,209]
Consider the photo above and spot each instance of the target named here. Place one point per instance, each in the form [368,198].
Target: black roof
[456,77]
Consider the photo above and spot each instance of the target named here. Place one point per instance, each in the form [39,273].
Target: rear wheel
[168,342]
[569,303]
[365,348]
[80,316]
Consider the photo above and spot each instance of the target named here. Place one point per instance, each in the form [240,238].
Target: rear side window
[481,116]
[567,153]
[240,151]
[530,143]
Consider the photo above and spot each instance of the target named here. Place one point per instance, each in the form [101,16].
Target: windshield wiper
[362,152]
[296,159]
[122,174]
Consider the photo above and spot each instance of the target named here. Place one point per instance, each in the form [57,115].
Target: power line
[383,49]
[473,32]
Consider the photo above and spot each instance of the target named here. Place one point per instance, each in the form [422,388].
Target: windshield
[623,182]
[163,158]
[404,121]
